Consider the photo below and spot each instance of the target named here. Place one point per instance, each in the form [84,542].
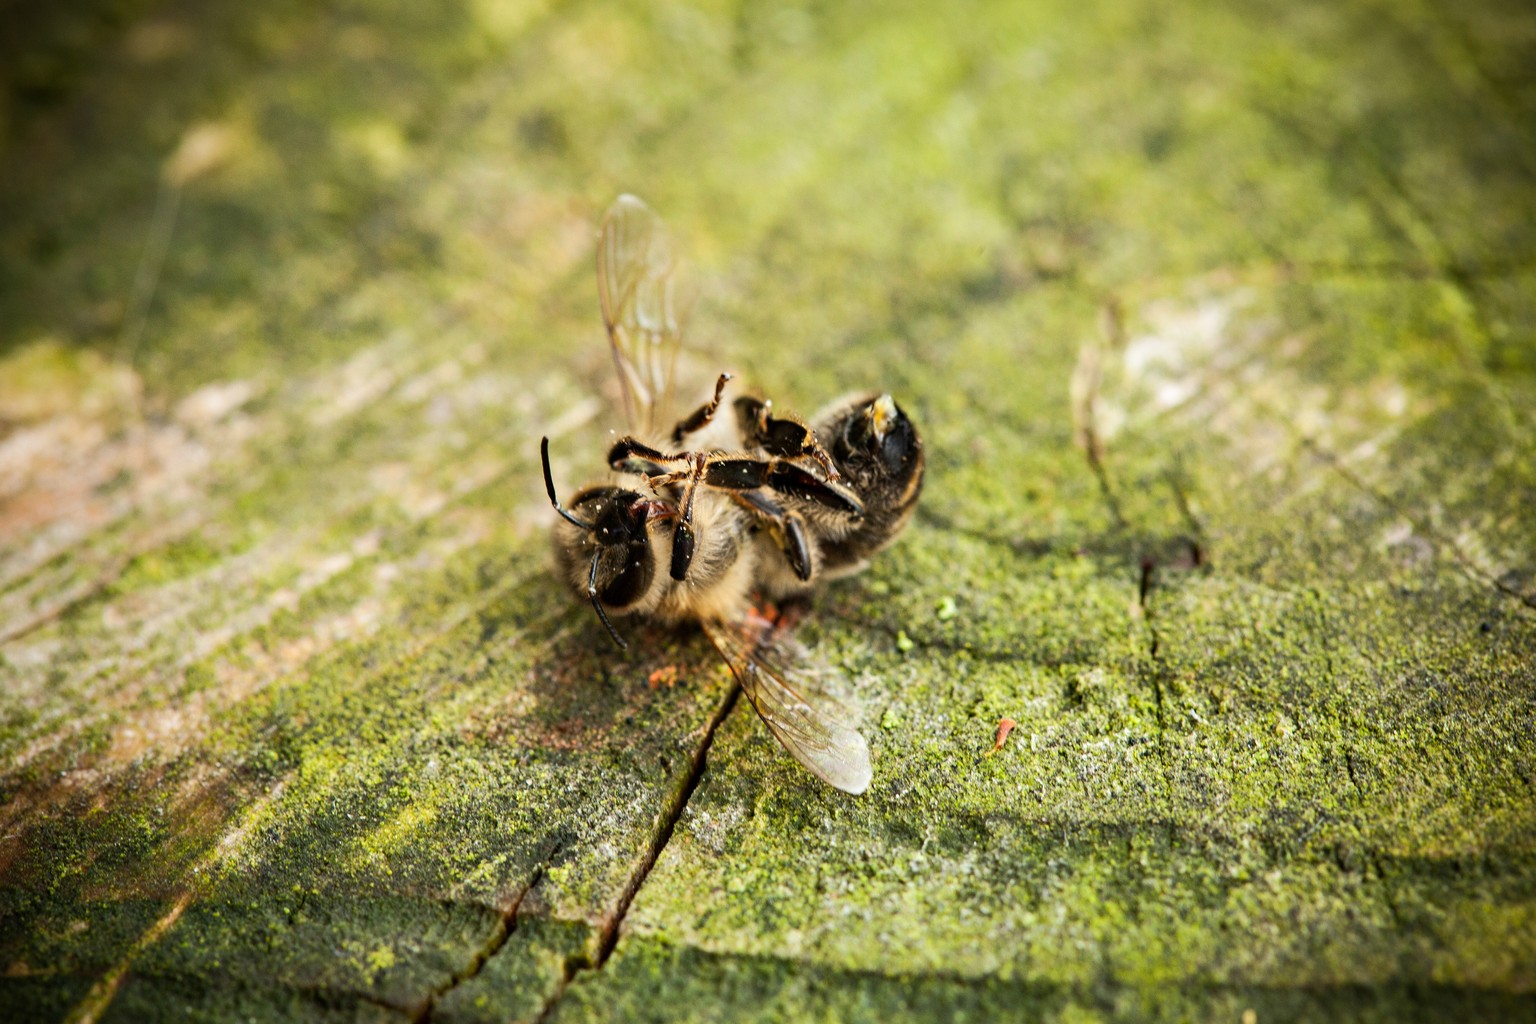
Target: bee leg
[683,537]
[781,476]
[823,459]
[788,478]
[786,437]
[702,415]
[788,530]
[628,455]
[597,605]
[752,416]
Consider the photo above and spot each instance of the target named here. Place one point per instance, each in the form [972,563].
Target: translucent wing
[783,683]
[644,307]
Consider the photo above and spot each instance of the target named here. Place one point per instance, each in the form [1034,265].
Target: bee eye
[896,450]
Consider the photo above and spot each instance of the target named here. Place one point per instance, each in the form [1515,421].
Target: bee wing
[781,680]
[644,308]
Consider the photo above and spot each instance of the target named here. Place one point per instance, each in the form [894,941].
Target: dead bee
[758,505]
[688,553]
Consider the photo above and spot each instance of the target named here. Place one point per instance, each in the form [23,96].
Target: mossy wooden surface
[297,725]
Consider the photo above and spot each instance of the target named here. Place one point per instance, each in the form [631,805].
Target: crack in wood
[1154,641]
[608,937]
[1145,613]
[1087,379]
[1199,550]
[506,926]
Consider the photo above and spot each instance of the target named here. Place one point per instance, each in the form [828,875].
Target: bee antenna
[598,605]
[549,485]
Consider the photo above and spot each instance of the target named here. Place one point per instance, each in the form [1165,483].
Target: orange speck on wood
[1004,727]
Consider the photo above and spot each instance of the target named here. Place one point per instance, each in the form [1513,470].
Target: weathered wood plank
[296,723]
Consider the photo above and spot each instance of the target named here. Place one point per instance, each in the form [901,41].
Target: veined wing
[780,678]
[643,308]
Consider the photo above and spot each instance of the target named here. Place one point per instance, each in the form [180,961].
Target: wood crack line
[493,945]
[1143,609]
[608,938]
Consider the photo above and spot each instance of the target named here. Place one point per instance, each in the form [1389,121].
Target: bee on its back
[709,510]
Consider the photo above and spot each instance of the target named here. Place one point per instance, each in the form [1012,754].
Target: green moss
[1271,668]
[524,976]
[650,981]
[176,560]
[199,999]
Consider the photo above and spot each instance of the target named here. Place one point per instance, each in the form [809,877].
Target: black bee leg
[823,459]
[683,537]
[783,477]
[783,436]
[788,529]
[789,478]
[702,415]
[598,605]
[753,416]
[629,455]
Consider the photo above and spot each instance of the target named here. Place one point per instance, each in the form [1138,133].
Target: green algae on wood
[297,723]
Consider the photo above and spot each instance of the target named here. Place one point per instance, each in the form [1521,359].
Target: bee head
[608,554]
[614,516]
[881,433]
